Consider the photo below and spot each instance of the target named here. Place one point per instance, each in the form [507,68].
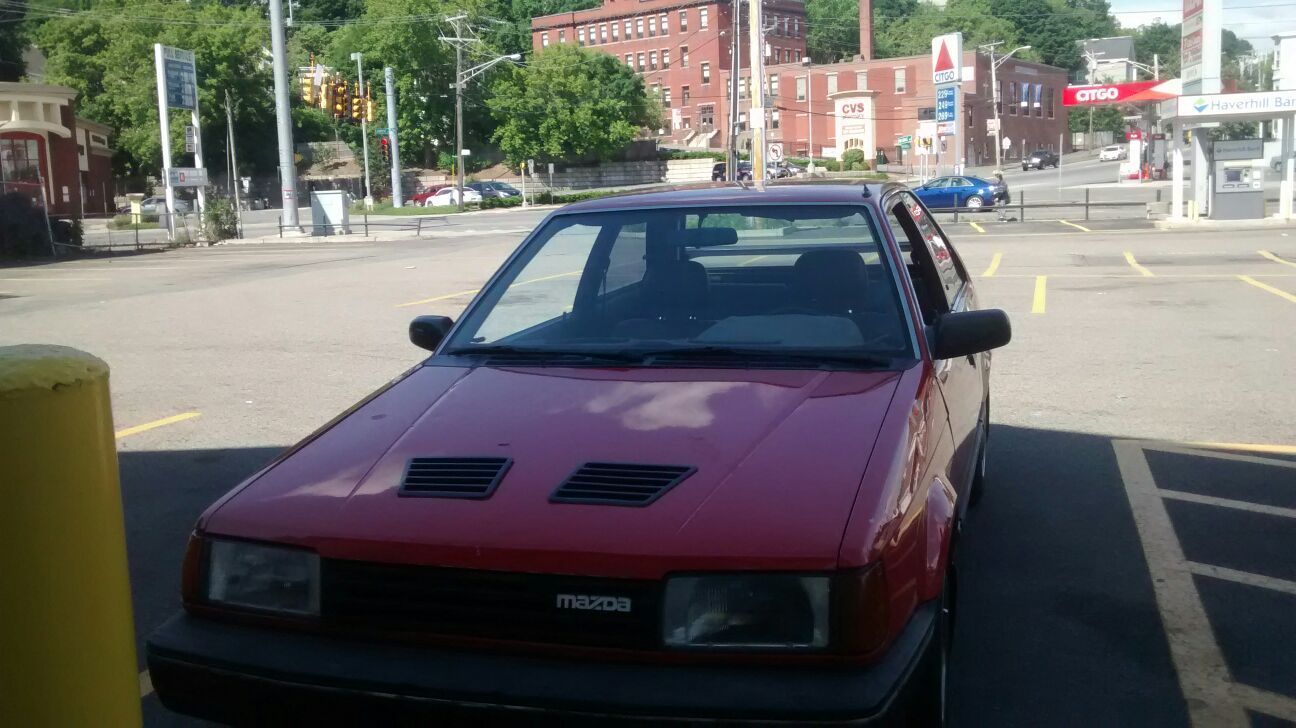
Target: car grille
[435,601]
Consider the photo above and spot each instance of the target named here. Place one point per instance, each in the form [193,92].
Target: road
[1118,572]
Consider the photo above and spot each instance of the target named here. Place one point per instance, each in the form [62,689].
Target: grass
[385,208]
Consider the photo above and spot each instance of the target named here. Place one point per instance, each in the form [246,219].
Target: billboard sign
[946,104]
[947,58]
[1104,94]
[1259,103]
[187,176]
[181,78]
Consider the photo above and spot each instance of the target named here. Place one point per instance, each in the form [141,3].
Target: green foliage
[12,41]
[569,103]
[1160,43]
[123,222]
[220,220]
[689,154]
[911,34]
[853,160]
[1105,118]
[22,228]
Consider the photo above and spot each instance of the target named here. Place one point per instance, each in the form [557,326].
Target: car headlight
[741,611]
[259,576]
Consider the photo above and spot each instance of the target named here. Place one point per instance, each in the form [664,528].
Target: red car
[694,455]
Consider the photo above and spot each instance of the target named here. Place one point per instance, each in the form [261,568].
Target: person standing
[1002,197]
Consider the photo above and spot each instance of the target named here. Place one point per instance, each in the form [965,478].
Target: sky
[1254,20]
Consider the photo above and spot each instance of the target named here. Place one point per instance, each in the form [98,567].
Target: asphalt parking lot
[1131,563]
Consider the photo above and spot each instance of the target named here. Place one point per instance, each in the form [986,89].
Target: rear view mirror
[426,332]
[971,332]
[709,237]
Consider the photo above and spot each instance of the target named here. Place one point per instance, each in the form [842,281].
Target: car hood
[779,457]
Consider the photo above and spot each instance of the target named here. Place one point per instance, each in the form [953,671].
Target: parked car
[637,479]
[157,206]
[964,191]
[497,190]
[422,197]
[450,196]
[719,172]
[1114,153]
[1039,159]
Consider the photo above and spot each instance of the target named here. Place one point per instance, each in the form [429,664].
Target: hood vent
[453,477]
[619,484]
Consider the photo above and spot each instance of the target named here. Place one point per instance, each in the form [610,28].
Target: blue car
[962,191]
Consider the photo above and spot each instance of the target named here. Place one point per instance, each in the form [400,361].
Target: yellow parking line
[976,227]
[749,261]
[456,294]
[548,278]
[1248,447]
[1081,228]
[146,684]
[994,265]
[1275,258]
[156,424]
[1129,258]
[1271,289]
[1041,283]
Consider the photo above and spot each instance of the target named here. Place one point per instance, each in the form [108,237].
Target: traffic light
[369,109]
[339,99]
[325,97]
[308,88]
[384,148]
[357,104]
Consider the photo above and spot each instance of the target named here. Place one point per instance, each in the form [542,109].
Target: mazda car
[961,191]
[697,455]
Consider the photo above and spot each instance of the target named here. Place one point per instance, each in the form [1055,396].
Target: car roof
[734,194]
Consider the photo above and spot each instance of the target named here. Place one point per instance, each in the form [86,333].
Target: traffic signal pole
[283,119]
[364,126]
[389,77]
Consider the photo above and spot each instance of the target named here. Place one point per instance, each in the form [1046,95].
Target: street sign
[191,139]
[381,131]
[946,128]
[992,126]
[1256,103]
[187,176]
[1007,143]
[776,152]
[947,58]
[905,141]
[531,167]
[181,78]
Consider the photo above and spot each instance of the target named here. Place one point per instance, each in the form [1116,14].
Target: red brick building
[682,49]
[42,141]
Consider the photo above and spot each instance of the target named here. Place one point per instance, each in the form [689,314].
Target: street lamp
[994,93]
[807,62]
[358,57]
[461,79]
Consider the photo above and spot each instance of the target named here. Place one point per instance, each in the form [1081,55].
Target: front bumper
[242,675]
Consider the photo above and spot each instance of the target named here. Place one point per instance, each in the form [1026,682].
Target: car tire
[928,707]
[974,202]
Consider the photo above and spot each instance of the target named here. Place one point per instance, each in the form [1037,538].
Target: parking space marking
[1129,258]
[977,227]
[1081,228]
[146,684]
[156,424]
[1263,701]
[1037,303]
[1265,287]
[1204,677]
[1248,447]
[1238,505]
[1275,258]
[1242,577]
[434,299]
[994,265]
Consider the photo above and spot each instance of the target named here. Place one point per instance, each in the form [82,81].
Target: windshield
[648,285]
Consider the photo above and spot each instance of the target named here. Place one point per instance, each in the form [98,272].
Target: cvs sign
[1113,93]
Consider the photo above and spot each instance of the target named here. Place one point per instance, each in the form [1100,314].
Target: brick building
[682,49]
[42,140]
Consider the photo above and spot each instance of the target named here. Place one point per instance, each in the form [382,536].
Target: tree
[832,29]
[1159,43]
[569,103]
[912,35]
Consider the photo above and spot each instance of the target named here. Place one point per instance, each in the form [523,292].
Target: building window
[999,93]
[801,88]
[580,37]
[654,91]
[1038,100]
[630,60]
[638,27]
[686,122]
[787,24]
[665,24]
[652,26]
[774,119]
[544,40]
[666,98]
[832,83]
[774,25]
[1050,98]
[665,58]
[616,34]
[744,87]
[684,95]
[641,61]
[861,80]
[706,72]
[20,160]
[900,80]
[652,60]
[602,32]
[706,115]
[562,36]
[704,17]
[627,30]
[796,27]
[1012,98]
[683,56]
[742,121]
[683,21]
[774,85]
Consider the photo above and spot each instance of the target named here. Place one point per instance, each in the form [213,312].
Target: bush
[22,227]
[853,160]
[68,232]
[123,222]
[220,221]
[489,203]
[690,154]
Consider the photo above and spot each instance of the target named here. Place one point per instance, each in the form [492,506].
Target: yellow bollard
[67,638]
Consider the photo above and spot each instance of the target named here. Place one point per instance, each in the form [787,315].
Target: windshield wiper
[538,354]
[703,353]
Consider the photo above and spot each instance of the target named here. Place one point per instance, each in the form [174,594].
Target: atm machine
[1238,172]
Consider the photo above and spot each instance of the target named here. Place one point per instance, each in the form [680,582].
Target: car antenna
[867,194]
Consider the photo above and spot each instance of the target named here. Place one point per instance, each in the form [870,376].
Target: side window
[936,276]
[951,279]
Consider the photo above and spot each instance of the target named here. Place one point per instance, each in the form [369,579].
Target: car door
[937,194]
[962,379]
[960,189]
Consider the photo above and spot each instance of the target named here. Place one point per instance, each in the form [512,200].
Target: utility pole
[808,63]
[458,41]
[229,126]
[996,100]
[735,69]
[283,119]
[358,57]
[389,76]
[756,49]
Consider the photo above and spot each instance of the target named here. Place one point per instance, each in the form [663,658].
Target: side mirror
[971,332]
[427,331]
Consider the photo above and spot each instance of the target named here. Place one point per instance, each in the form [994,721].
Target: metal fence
[1085,207]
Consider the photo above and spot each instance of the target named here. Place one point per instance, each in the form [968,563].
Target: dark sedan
[498,190]
[1039,159]
[946,192]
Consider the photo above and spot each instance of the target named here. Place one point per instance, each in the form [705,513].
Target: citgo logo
[1105,93]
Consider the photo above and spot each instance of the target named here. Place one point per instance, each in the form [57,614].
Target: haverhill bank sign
[1259,103]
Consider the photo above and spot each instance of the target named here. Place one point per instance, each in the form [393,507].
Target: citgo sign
[1105,94]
